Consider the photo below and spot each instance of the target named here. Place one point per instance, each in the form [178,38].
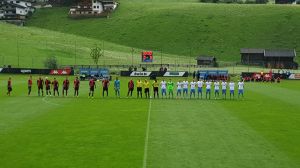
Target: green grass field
[260,131]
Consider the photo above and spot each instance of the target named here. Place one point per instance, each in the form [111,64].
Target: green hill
[29,47]
[185,28]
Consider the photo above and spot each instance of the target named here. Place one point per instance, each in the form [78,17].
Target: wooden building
[269,58]
[206,60]
[92,8]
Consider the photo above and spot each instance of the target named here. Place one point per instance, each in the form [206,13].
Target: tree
[96,53]
[51,62]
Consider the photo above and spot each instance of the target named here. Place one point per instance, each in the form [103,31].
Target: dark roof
[205,58]
[13,4]
[252,51]
[280,53]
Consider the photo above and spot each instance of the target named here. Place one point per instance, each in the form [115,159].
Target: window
[94,7]
[94,1]
[97,7]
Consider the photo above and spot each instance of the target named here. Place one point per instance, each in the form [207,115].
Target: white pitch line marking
[48,102]
[147,136]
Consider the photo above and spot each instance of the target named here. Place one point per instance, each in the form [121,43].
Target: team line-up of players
[166,88]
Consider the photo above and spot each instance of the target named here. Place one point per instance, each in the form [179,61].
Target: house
[206,60]
[93,8]
[15,10]
[270,58]
[1,13]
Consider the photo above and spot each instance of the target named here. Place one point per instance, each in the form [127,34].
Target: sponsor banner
[37,71]
[176,74]
[26,71]
[94,71]
[136,73]
[294,76]
[154,74]
[61,72]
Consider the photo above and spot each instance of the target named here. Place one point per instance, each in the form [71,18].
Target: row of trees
[96,53]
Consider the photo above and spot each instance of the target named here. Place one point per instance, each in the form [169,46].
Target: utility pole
[161,57]
[75,53]
[132,50]
[18,52]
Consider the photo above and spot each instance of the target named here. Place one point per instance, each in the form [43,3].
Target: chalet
[269,58]
[12,10]
[206,60]
[93,8]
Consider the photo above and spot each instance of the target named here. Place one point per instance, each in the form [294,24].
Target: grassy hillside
[184,28]
[33,45]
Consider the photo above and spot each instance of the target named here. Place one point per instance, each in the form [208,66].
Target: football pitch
[260,131]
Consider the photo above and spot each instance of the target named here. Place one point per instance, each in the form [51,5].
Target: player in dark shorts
[130,88]
[9,86]
[139,88]
[105,84]
[48,86]
[76,86]
[92,85]
[66,84]
[29,82]
[155,85]
[40,84]
[55,85]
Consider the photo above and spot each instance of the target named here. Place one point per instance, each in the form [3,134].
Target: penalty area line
[147,136]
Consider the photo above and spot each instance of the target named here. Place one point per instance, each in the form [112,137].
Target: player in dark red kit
[105,84]
[76,86]
[92,85]
[9,86]
[55,86]
[29,85]
[48,86]
[66,84]
[130,88]
[40,84]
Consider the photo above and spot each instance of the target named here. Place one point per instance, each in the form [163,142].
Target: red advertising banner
[61,72]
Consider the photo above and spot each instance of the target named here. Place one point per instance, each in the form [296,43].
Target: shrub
[51,62]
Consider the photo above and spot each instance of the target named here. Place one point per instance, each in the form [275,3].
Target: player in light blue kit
[200,85]
[193,86]
[179,88]
[163,86]
[241,89]
[185,88]
[208,87]
[117,87]
[231,88]
[217,88]
[224,89]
